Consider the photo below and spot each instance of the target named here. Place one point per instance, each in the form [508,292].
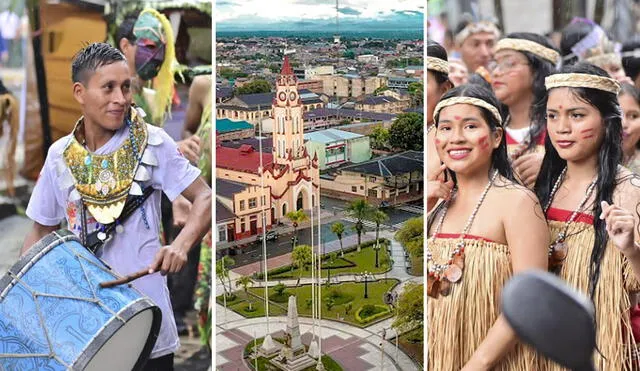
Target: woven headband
[437,64]
[476,27]
[468,100]
[529,46]
[582,80]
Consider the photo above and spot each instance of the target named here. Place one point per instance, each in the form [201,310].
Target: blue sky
[268,14]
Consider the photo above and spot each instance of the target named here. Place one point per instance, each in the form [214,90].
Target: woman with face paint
[437,84]
[629,99]
[475,243]
[522,61]
[591,204]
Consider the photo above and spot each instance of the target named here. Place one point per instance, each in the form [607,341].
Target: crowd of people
[532,163]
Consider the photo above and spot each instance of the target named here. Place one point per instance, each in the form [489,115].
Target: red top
[286,67]
[561,215]
[466,236]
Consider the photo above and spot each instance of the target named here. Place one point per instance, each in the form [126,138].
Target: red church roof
[286,67]
[240,159]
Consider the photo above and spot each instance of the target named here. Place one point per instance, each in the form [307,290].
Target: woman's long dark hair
[499,157]
[609,157]
[437,51]
[540,68]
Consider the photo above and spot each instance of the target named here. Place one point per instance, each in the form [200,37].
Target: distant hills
[395,22]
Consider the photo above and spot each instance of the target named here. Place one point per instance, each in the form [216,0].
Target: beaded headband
[471,28]
[468,100]
[529,46]
[582,80]
[437,64]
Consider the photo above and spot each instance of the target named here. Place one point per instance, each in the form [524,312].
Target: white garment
[519,135]
[135,248]
[9,25]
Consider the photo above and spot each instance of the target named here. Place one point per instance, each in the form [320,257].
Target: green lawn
[264,365]
[344,294]
[365,260]
[241,305]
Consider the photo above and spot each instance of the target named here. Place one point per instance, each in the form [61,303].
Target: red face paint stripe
[587,136]
[586,131]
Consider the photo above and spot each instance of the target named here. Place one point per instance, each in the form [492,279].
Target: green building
[335,147]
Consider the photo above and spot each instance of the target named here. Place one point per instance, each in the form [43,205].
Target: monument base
[296,364]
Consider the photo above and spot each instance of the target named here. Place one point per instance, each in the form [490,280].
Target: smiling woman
[471,233]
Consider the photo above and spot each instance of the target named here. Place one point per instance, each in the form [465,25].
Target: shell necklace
[558,249]
[441,276]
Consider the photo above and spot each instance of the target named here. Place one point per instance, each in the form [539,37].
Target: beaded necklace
[558,249]
[441,276]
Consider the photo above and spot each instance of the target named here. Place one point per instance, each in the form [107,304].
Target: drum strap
[95,240]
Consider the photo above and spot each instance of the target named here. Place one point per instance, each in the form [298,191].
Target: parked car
[270,236]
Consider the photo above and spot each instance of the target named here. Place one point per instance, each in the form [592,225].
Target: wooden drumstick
[126,279]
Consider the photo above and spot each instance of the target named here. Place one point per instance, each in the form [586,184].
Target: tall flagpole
[264,222]
[320,251]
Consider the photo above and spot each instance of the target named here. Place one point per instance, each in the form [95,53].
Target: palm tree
[245,282]
[301,257]
[337,228]
[296,217]
[359,210]
[378,217]
[222,271]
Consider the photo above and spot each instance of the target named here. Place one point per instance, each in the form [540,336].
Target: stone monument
[293,356]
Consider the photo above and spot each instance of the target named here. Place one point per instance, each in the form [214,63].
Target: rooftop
[226,125]
[227,188]
[330,136]
[267,144]
[245,158]
[223,214]
[398,164]
[375,100]
[347,113]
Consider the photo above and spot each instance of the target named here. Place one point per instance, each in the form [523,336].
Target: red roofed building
[290,175]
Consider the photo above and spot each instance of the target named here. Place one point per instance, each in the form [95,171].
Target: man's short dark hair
[125,29]
[630,62]
[92,57]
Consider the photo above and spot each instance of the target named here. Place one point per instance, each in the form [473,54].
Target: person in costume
[146,39]
[476,244]
[522,61]
[113,155]
[198,122]
[458,73]
[584,40]
[475,41]
[590,202]
[629,99]
[437,84]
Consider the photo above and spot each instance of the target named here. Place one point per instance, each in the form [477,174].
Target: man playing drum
[110,156]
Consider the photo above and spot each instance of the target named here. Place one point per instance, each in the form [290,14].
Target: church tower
[288,132]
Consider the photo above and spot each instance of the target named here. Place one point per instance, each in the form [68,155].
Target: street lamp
[364,276]
[377,247]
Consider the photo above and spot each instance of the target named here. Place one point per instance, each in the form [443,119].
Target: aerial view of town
[319,189]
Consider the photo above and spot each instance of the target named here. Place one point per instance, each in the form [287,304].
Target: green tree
[279,289]
[407,131]
[381,89]
[222,271]
[410,310]
[416,92]
[254,87]
[329,303]
[230,73]
[301,257]
[245,282]
[359,210]
[296,217]
[411,236]
[378,217]
[379,137]
[337,228]
[349,54]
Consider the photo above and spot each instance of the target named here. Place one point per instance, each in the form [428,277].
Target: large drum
[55,316]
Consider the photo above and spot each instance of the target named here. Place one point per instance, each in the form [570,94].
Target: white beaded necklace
[440,276]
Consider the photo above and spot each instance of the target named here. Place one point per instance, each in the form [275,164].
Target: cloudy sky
[267,11]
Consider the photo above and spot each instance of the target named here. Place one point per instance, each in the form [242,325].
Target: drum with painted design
[55,316]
